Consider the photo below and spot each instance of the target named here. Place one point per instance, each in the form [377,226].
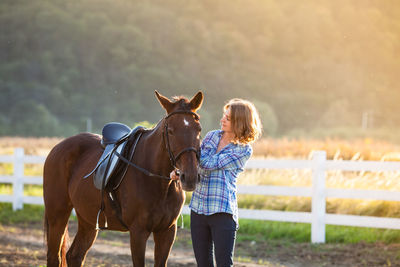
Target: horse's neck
[155,153]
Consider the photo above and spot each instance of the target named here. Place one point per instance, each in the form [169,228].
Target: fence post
[318,197]
[18,185]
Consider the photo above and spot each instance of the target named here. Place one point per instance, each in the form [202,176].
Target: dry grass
[359,149]
[32,146]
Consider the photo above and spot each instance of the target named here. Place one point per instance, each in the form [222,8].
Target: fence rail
[318,217]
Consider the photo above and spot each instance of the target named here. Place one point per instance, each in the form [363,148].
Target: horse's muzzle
[188,182]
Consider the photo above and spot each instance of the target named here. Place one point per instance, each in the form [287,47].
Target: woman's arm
[227,161]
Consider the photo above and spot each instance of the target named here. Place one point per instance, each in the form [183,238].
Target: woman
[214,210]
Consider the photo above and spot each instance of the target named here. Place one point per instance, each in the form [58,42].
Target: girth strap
[117,207]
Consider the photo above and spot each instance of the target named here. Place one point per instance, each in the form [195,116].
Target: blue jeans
[216,232]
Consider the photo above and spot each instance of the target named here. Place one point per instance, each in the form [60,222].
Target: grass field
[283,148]
[250,230]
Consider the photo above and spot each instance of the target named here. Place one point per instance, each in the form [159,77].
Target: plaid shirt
[216,191]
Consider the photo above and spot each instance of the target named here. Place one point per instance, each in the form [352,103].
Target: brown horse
[147,204]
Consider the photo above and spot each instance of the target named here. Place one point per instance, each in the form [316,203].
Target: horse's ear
[165,103]
[196,101]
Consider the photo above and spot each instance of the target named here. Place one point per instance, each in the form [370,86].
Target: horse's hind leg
[56,222]
[83,240]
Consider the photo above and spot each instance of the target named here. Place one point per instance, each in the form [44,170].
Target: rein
[172,158]
[146,172]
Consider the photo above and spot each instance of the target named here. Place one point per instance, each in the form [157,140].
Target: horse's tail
[64,241]
[64,246]
[45,229]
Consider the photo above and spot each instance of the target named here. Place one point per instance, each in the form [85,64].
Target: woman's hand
[174,175]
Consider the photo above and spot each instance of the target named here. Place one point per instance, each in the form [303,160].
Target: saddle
[115,139]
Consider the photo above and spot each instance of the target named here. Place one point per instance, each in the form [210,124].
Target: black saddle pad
[121,168]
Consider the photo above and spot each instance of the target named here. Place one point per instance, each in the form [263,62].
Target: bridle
[173,158]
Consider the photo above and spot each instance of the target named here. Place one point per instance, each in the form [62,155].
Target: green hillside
[308,65]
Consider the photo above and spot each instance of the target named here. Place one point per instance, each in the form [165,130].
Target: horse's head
[181,133]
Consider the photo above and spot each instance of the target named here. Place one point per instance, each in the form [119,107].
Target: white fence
[18,179]
[318,192]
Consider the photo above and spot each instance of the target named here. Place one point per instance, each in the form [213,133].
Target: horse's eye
[170,132]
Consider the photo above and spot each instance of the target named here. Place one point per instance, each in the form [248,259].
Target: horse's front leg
[163,242]
[138,239]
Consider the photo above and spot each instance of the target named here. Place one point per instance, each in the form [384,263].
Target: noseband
[173,158]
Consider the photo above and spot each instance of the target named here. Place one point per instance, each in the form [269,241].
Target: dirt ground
[23,245]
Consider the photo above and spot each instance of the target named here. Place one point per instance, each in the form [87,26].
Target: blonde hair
[245,121]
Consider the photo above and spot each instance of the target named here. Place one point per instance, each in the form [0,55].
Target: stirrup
[97,221]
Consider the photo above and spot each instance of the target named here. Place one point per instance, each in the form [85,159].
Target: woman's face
[226,121]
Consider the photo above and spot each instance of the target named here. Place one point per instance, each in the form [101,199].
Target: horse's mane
[182,101]
[179,98]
